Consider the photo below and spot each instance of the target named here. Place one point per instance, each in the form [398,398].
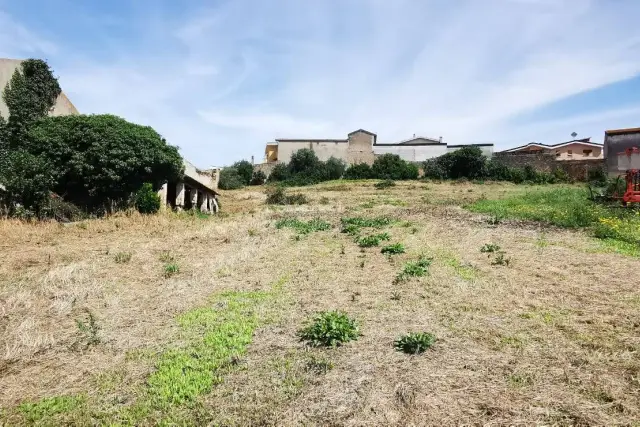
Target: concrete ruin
[197,190]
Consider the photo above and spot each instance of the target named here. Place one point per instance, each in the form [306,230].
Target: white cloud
[16,41]
[222,80]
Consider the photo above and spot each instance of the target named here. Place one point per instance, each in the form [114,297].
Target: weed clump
[330,329]
[303,227]
[279,196]
[415,342]
[500,259]
[396,248]
[417,268]
[89,329]
[370,241]
[171,269]
[122,257]
[385,184]
[489,248]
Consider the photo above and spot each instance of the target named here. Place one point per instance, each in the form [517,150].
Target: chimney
[414,135]
[440,140]
[252,162]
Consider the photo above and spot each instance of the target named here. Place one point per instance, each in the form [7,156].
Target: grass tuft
[414,343]
[374,240]
[171,269]
[489,248]
[417,268]
[122,257]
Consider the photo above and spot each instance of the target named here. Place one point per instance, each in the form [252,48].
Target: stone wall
[576,169]
[266,168]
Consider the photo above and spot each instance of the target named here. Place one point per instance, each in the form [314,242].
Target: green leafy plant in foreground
[330,329]
[414,343]
[171,269]
[396,248]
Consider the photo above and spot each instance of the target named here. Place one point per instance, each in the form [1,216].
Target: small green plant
[385,184]
[414,230]
[370,241]
[395,296]
[415,342]
[303,227]
[417,268]
[342,250]
[147,201]
[252,232]
[500,259]
[353,225]
[122,257]
[489,248]
[330,329]
[361,264]
[89,329]
[171,269]
[396,248]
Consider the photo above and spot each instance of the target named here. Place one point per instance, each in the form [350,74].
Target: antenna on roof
[573,134]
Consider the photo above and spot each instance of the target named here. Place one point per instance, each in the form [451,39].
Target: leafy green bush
[258,178]
[230,179]
[279,196]
[391,166]
[330,329]
[415,343]
[279,173]
[244,170]
[396,248]
[385,184]
[358,171]
[100,160]
[434,169]
[146,200]
[27,181]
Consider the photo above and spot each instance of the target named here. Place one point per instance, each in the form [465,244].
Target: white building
[420,148]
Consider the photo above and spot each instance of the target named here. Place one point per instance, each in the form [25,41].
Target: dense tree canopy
[100,159]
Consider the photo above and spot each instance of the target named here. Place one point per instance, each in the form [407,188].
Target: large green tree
[30,95]
[99,160]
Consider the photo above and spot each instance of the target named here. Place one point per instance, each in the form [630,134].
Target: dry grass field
[182,320]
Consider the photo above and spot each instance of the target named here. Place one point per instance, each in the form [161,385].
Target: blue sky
[220,78]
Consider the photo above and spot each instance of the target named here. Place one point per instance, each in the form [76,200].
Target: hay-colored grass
[550,339]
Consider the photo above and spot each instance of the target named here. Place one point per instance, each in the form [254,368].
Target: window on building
[587,153]
[569,153]
[557,154]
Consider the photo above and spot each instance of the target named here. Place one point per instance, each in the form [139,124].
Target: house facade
[361,146]
[577,149]
[616,144]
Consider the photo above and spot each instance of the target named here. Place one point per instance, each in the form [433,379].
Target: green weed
[167,257]
[374,240]
[330,329]
[303,227]
[171,269]
[318,365]
[122,257]
[501,259]
[417,268]
[385,184]
[414,343]
[396,248]
[353,225]
[489,248]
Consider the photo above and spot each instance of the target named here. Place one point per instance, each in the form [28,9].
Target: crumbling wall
[577,170]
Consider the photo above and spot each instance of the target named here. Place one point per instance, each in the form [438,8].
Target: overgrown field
[409,304]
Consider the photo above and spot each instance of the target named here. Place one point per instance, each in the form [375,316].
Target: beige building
[356,148]
[62,107]
[577,149]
